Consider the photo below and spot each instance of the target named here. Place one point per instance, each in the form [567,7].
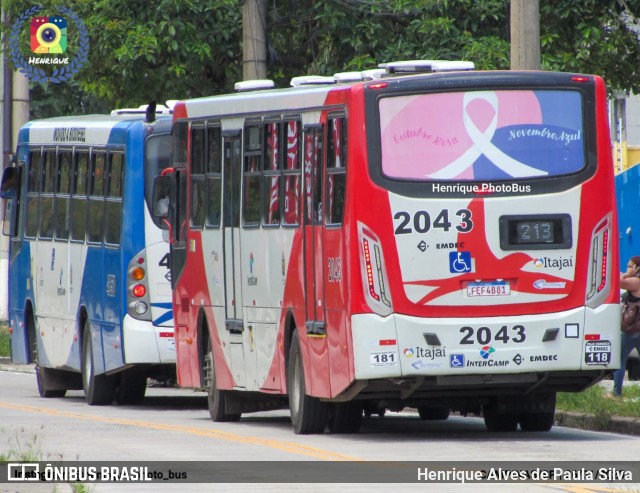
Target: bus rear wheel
[132,387]
[439,413]
[345,417]
[309,414]
[216,398]
[536,421]
[495,421]
[98,389]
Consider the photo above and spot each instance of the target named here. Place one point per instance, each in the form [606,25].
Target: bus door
[232,180]
[313,237]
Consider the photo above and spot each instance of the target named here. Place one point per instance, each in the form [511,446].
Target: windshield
[482,135]
[158,157]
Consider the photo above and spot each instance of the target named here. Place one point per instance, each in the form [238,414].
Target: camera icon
[48,34]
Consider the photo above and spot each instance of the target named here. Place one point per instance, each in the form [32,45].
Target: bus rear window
[482,135]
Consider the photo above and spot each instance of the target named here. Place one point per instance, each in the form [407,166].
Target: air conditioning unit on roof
[254,85]
[424,66]
[311,80]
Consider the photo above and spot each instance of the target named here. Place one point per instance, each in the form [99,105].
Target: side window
[291,173]
[62,204]
[198,183]
[336,170]
[272,172]
[33,189]
[79,201]
[96,197]
[113,204]
[214,176]
[253,156]
[180,133]
[313,150]
[180,230]
[47,188]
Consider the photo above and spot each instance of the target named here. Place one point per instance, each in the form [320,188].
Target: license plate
[489,288]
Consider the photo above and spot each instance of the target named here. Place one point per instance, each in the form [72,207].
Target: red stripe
[388,342]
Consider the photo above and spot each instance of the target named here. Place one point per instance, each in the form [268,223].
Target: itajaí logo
[48,59]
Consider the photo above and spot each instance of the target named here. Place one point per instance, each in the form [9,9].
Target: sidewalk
[615,424]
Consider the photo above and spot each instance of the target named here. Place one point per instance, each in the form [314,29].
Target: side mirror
[9,184]
[161,196]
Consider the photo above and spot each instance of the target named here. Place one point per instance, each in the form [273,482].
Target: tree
[590,36]
[142,51]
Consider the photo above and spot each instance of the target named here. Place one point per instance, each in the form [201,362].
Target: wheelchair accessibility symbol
[459,262]
[456,360]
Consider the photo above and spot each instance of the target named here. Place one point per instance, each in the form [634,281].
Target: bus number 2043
[421,222]
[484,335]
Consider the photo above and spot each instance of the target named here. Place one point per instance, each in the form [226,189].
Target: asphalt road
[173,425]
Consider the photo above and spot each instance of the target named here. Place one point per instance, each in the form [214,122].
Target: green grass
[28,448]
[594,401]
[4,339]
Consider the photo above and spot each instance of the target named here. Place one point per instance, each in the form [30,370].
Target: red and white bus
[435,238]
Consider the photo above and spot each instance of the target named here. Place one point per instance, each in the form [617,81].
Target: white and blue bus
[89,281]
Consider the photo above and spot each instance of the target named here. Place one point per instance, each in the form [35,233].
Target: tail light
[598,280]
[138,303]
[374,272]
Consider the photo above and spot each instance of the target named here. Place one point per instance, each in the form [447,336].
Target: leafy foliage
[175,49]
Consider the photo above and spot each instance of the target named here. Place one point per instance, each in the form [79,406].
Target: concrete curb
[614,424]
[6,365]
[592,422]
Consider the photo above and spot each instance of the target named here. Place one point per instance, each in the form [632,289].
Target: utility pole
[14,112]
[254,39]
[525,35]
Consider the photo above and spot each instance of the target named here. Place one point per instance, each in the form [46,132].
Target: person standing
[629,280]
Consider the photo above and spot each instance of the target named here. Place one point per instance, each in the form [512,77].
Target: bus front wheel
[309,414]
[98,389]
[216,398]
[44,376]
[44,380]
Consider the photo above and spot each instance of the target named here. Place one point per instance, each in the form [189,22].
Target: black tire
[439,413]
[44,380]
[132,387]
[216,399]
[309,415]
[44,377]
[98,389]
[345,417]
[499,422]
[536,421]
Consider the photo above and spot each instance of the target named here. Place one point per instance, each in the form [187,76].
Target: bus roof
[82,130]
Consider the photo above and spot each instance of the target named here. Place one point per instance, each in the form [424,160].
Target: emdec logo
[48,34]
